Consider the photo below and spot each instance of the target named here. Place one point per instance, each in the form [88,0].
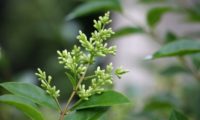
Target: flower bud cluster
[75,61]
[95,44]
[46,83]
[101,79]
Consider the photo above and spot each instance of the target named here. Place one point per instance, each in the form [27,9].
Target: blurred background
[32,30]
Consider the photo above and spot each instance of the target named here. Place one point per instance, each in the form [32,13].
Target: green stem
[76,104]
[89,77]
[59,107]
[190,67]
[65,110]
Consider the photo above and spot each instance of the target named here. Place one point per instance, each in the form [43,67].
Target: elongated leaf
[155,15]
[173,70]
[86,114]
[107,98]
[178,48]
[127,31]
[30,91]
[72,80]
[158,105]
[175,115]
[152,1]
[94,6]
[22,104]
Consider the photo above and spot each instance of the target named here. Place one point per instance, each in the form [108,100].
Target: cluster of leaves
[94,98]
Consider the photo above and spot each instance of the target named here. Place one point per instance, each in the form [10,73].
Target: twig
[56,100]
[190,67]
[65,110]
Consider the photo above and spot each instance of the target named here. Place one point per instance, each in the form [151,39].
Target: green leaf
[175,115]
[161,101]
[193,16]
[158,105]
[72,80]
[127,31]
[107,98]
[155,15]
[94,6]
[31,92]
[86,114]
[173,70]
[193,13]
[178,48]
[170,37]
[23,104]
[152,1]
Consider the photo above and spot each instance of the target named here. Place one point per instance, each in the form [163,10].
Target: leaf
[86,114]
[107,98]
[22,104]
[173,70]
[170,37]
[94,6]
[151,1]
[175,115]
[127,31]
[193,13]
[158,105]
[155,15]
[161,101]
[31,92]
[178,48]
[72,80]
[193,16]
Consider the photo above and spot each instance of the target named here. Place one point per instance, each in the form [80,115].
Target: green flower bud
[84,42]
[119,72]
[109,68]
[46,81]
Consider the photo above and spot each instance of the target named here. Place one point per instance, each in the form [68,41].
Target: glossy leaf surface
[86,114]
[155,15]
[107,98]
[178,48]
[94,6]
[22,104]
[31,92]
[127,31]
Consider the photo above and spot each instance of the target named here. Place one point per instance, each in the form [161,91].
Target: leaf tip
[69,17]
